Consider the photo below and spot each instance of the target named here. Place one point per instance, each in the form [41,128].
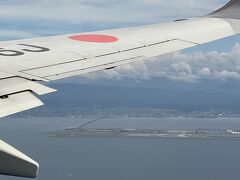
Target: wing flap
[18,94]
[18,102]
[93,68]
[16,84]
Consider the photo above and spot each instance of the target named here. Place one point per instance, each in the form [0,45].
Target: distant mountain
[206,85]
[138,97]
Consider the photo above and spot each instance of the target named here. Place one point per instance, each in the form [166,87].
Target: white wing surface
[24,64]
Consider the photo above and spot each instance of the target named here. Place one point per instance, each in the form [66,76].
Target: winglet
[231,11]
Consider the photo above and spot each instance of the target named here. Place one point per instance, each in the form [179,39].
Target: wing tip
[230,10]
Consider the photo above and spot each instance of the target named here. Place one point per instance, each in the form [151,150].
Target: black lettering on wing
[4,52]
[35,48]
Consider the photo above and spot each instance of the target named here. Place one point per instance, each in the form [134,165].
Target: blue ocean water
[118,159]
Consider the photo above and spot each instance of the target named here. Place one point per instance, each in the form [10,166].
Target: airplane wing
[24,64]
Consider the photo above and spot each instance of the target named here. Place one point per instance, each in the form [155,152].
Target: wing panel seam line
[82,59]
[7,95]
[93,67]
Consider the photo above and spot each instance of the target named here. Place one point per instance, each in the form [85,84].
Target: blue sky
[219,60]
[27,18]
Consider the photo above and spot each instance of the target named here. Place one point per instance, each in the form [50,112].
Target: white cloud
[51,17]
[181,66]
[225,74]
[76,11]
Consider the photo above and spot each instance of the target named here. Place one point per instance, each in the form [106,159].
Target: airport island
[79,132]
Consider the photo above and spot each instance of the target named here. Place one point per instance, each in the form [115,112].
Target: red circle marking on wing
[94,38]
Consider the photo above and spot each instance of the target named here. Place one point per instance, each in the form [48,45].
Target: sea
[125,159]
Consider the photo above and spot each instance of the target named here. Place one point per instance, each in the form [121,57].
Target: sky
[219,60]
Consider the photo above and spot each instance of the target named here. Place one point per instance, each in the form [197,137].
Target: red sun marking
[94,38]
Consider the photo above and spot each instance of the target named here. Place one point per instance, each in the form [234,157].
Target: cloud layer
[105,10]
[181,66]
[66,16]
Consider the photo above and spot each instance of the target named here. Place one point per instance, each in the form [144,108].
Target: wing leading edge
[26,63]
